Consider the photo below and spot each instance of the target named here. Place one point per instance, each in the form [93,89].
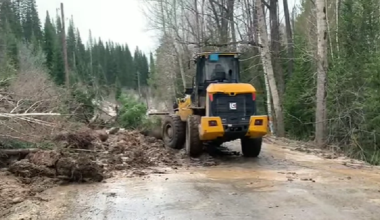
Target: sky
[121,21]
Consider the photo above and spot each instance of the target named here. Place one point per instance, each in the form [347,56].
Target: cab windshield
[222,69]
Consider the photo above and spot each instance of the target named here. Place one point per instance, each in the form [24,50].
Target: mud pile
[55,164]
[14,190]
[43,169]
[85,156]
[82,156]
[90,155]
[134,153]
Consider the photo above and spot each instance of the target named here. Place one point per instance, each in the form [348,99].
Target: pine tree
[82,60]
[30,21]
[152,71]
[128,79]
[8,23]
[142,67]
[71,46]
[59,65]
[144,70]
[152,66]
[49,43]
[8,16]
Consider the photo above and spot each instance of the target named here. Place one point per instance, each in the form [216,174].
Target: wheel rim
[187,138]
[168,132]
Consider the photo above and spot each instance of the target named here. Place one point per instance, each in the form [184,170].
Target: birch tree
[321,106]
[268,67]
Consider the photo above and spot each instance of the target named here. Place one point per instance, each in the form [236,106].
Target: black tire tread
[251,147]
[179,130]
[196,146]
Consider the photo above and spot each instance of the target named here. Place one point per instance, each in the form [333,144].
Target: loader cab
[217,67]
[213,68]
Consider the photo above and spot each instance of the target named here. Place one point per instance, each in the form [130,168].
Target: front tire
[194,146]
[173,132]
[251,147]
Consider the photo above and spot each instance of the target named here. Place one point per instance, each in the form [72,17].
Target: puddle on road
[229,174]
[303,175]
[375,201]
[262,186]
[280,153]
[329,168]
[254,174]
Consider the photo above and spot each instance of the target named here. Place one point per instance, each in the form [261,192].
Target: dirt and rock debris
[93,156]
[85,156]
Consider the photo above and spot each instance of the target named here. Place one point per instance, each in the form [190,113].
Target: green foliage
[49,44]
[142,68]
[353,79]
[58,66]
[131,113]
[299,97]
[251,71]
[81,103]
[30,21]
[15,144]
[93,70]
[118,90]
[151,123]
[353,75]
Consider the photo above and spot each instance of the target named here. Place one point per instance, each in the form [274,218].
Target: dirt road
[281,184]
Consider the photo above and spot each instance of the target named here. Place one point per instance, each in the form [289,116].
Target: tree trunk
[67,76]
[181,68]
[337,8]
[163,17]
[275,48]
[266,60]
[13,152]
[289,36]
[203,29]
[269,102]
[321,108]
[231,9]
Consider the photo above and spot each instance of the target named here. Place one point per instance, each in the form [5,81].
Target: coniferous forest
[95,62]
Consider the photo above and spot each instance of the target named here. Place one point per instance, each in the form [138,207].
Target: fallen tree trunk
[13,152]
[8,115]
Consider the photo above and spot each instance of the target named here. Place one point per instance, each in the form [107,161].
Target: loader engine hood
[231,88]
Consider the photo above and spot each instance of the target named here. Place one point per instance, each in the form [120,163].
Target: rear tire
[173,132]
[194,146]
[251,147]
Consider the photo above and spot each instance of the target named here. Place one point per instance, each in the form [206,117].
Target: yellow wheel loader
[216,109]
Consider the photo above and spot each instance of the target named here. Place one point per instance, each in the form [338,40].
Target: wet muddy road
[281,184]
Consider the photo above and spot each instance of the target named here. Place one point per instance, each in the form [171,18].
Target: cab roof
[219,53]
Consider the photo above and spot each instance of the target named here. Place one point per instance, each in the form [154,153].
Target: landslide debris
[91,155]
[84,156]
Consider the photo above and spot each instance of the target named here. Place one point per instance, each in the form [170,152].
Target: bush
[131,113]
[151,123]
[80,104]
[29,89]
